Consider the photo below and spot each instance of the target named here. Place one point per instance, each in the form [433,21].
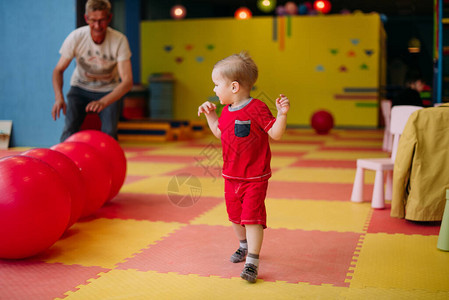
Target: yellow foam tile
[152,168]
[356,144]
[23,149]
[324,175]
[304,138]
[301,214]
[136,285]
[396,294]
[317,215]
[361,133]
[214,216]
[403,262]
[210,186]
[130,155]
[106,242]
[344,155]
[185,151]
[282,161]
[292,147]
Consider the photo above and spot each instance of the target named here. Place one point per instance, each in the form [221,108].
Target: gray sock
[252,259]
[243,244]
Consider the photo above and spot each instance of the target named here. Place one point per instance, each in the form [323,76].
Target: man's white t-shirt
[96,64]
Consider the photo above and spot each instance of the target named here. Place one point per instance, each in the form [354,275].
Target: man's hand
[56,110]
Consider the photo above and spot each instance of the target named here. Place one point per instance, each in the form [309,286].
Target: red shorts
[245,201]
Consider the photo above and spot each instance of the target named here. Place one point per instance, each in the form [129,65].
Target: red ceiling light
[243,13]
[322,6]
[178,12]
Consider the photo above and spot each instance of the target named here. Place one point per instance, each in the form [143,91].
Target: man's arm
[126,83]
[58,81]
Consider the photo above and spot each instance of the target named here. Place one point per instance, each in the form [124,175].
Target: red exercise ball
[322,121]
[111,150]
[34,206]
[94,170]
[71,175]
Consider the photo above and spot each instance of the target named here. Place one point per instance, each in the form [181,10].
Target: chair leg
[357,189]
[389,186]
[385,141]
[378,200]
[443,238]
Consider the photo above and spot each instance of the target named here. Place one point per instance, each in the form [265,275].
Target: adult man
[102,74]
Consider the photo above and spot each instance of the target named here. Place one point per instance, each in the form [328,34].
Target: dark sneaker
[249,273]
[239,255]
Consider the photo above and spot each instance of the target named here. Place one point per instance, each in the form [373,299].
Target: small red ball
[322,121]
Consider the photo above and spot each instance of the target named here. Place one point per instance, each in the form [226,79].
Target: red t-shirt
[245,142]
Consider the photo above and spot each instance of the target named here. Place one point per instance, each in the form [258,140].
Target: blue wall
[31,33]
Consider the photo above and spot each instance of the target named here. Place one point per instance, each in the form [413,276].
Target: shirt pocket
[242,128]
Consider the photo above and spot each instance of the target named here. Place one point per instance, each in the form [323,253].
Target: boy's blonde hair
[239,67]
[93,5]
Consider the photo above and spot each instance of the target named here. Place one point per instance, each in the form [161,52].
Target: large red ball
[71,175]
[322,121]
[95,171]
[111,150]
[34,206]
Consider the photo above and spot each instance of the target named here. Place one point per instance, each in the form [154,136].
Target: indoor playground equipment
[111,150]
[95,171]
[69,173]
[45,191]
[35,206]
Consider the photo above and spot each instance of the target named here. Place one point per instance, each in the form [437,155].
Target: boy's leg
[254,218]
[234,209]
[254,234]
[240,231]
[242,251]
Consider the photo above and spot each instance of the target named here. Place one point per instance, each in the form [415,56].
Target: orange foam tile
[314,191]
[287,255]
[154,208]
[311,163]
[382,222]
[29,279]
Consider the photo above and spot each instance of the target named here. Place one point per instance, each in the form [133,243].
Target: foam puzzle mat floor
[166,234]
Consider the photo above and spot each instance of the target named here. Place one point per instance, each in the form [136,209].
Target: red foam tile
[134,149]
[314,191]
[133,178]
[382,222]
[287,255]
[335,148]
[289,142]
[297,154]
[146,157]
[210,171]
[325,163]
[28,279]
[153,208]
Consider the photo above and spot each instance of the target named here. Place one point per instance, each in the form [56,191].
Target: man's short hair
[93,5]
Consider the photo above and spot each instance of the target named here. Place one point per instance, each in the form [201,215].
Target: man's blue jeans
[77,100]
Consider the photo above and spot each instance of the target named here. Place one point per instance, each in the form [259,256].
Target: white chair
[385,107]
[399,117]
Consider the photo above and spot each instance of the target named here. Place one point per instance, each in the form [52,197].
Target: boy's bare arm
[278,128]
[208,109]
